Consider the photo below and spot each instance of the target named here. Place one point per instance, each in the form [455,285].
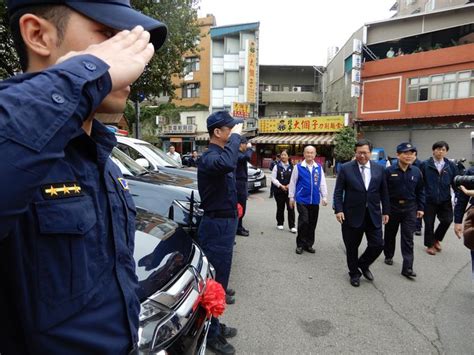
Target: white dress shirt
[439,164]
[323,190]
[367,174]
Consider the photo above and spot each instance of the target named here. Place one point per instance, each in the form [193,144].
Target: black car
[165,194]
[172,274]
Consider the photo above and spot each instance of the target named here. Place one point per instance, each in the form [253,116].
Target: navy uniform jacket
[216,179]
[67,274]
[242,173]
[406,185]
[351,197]
[462,201]
[437,186]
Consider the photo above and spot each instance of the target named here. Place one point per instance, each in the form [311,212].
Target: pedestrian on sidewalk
[438,173]
[361,205]
[281,175]
[308,189]
[407,203]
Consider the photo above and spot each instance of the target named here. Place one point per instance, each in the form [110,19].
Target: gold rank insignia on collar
[59,190]
[123,182]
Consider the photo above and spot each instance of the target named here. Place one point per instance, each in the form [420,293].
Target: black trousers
[307,221]
[282,200]
[444,212]
[242,199]
[353,237]
[404,216]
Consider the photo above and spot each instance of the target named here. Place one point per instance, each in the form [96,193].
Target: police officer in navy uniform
[68,282]
[217,188]
[241,179]
[407,201]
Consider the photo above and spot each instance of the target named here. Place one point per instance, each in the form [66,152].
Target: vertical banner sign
[251,73]
[241,110]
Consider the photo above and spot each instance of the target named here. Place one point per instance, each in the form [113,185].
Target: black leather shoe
[229,299]
[243,233]
[228,332]
[230,292]
[388,261]
[299,250]
[245,230]
[310,250]
[220,346]
[367,274]
[355,281]
[409,273]
[418,233]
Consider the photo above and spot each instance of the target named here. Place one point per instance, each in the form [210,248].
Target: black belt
[221,214]
[401,202]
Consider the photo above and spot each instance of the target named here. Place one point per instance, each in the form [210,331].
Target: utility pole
[137,119]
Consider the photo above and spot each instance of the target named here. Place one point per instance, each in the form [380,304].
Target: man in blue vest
[308,188]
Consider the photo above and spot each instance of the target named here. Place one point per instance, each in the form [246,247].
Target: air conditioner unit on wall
[296,89]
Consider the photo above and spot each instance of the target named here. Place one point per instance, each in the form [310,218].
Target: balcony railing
[179,129]
[289,96]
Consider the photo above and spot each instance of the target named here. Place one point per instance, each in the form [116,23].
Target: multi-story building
[234,67]
[410,7]
[422,94]
[193,90]
[289,103]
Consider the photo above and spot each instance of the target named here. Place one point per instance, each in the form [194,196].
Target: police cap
[116,14]
[220,119]
[405,147]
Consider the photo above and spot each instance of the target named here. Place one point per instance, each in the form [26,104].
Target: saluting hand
[127,53]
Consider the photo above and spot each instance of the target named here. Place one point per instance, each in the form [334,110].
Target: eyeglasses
[362,153]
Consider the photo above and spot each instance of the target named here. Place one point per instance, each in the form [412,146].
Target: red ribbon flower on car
[213,299]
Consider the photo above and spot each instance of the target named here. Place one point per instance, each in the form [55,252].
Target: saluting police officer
[407,201]
[68,282]
[241,177]
[216,234]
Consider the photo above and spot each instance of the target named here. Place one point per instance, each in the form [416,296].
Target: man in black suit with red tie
[361,204]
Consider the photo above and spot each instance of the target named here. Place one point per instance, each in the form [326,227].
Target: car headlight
[157,326]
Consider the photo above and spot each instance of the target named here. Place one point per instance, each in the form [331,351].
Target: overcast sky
[298,31]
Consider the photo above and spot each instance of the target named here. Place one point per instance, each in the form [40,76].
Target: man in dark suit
[360,190]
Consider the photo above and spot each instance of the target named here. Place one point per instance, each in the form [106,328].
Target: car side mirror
[143,162]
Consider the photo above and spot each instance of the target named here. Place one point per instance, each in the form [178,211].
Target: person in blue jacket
[217,188]
[66,214]
[438,173]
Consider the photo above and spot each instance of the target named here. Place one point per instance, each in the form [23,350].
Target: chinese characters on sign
[240,110]
[301,125]
[251,82]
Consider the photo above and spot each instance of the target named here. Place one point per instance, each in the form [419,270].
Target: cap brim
[234,122]
[121,18]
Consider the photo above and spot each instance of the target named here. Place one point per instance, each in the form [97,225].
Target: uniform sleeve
[292,184]
[274,177]
[38,117]
[224,162]
[420,194]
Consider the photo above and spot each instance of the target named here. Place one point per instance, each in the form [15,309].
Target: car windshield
[126,164]
[374,156]
[161,158]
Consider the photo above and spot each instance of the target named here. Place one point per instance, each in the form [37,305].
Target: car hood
[166,179]
[162,250]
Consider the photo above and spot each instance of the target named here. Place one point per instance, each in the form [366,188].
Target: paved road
[304,304]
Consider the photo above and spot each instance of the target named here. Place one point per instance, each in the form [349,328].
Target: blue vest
[308,186]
